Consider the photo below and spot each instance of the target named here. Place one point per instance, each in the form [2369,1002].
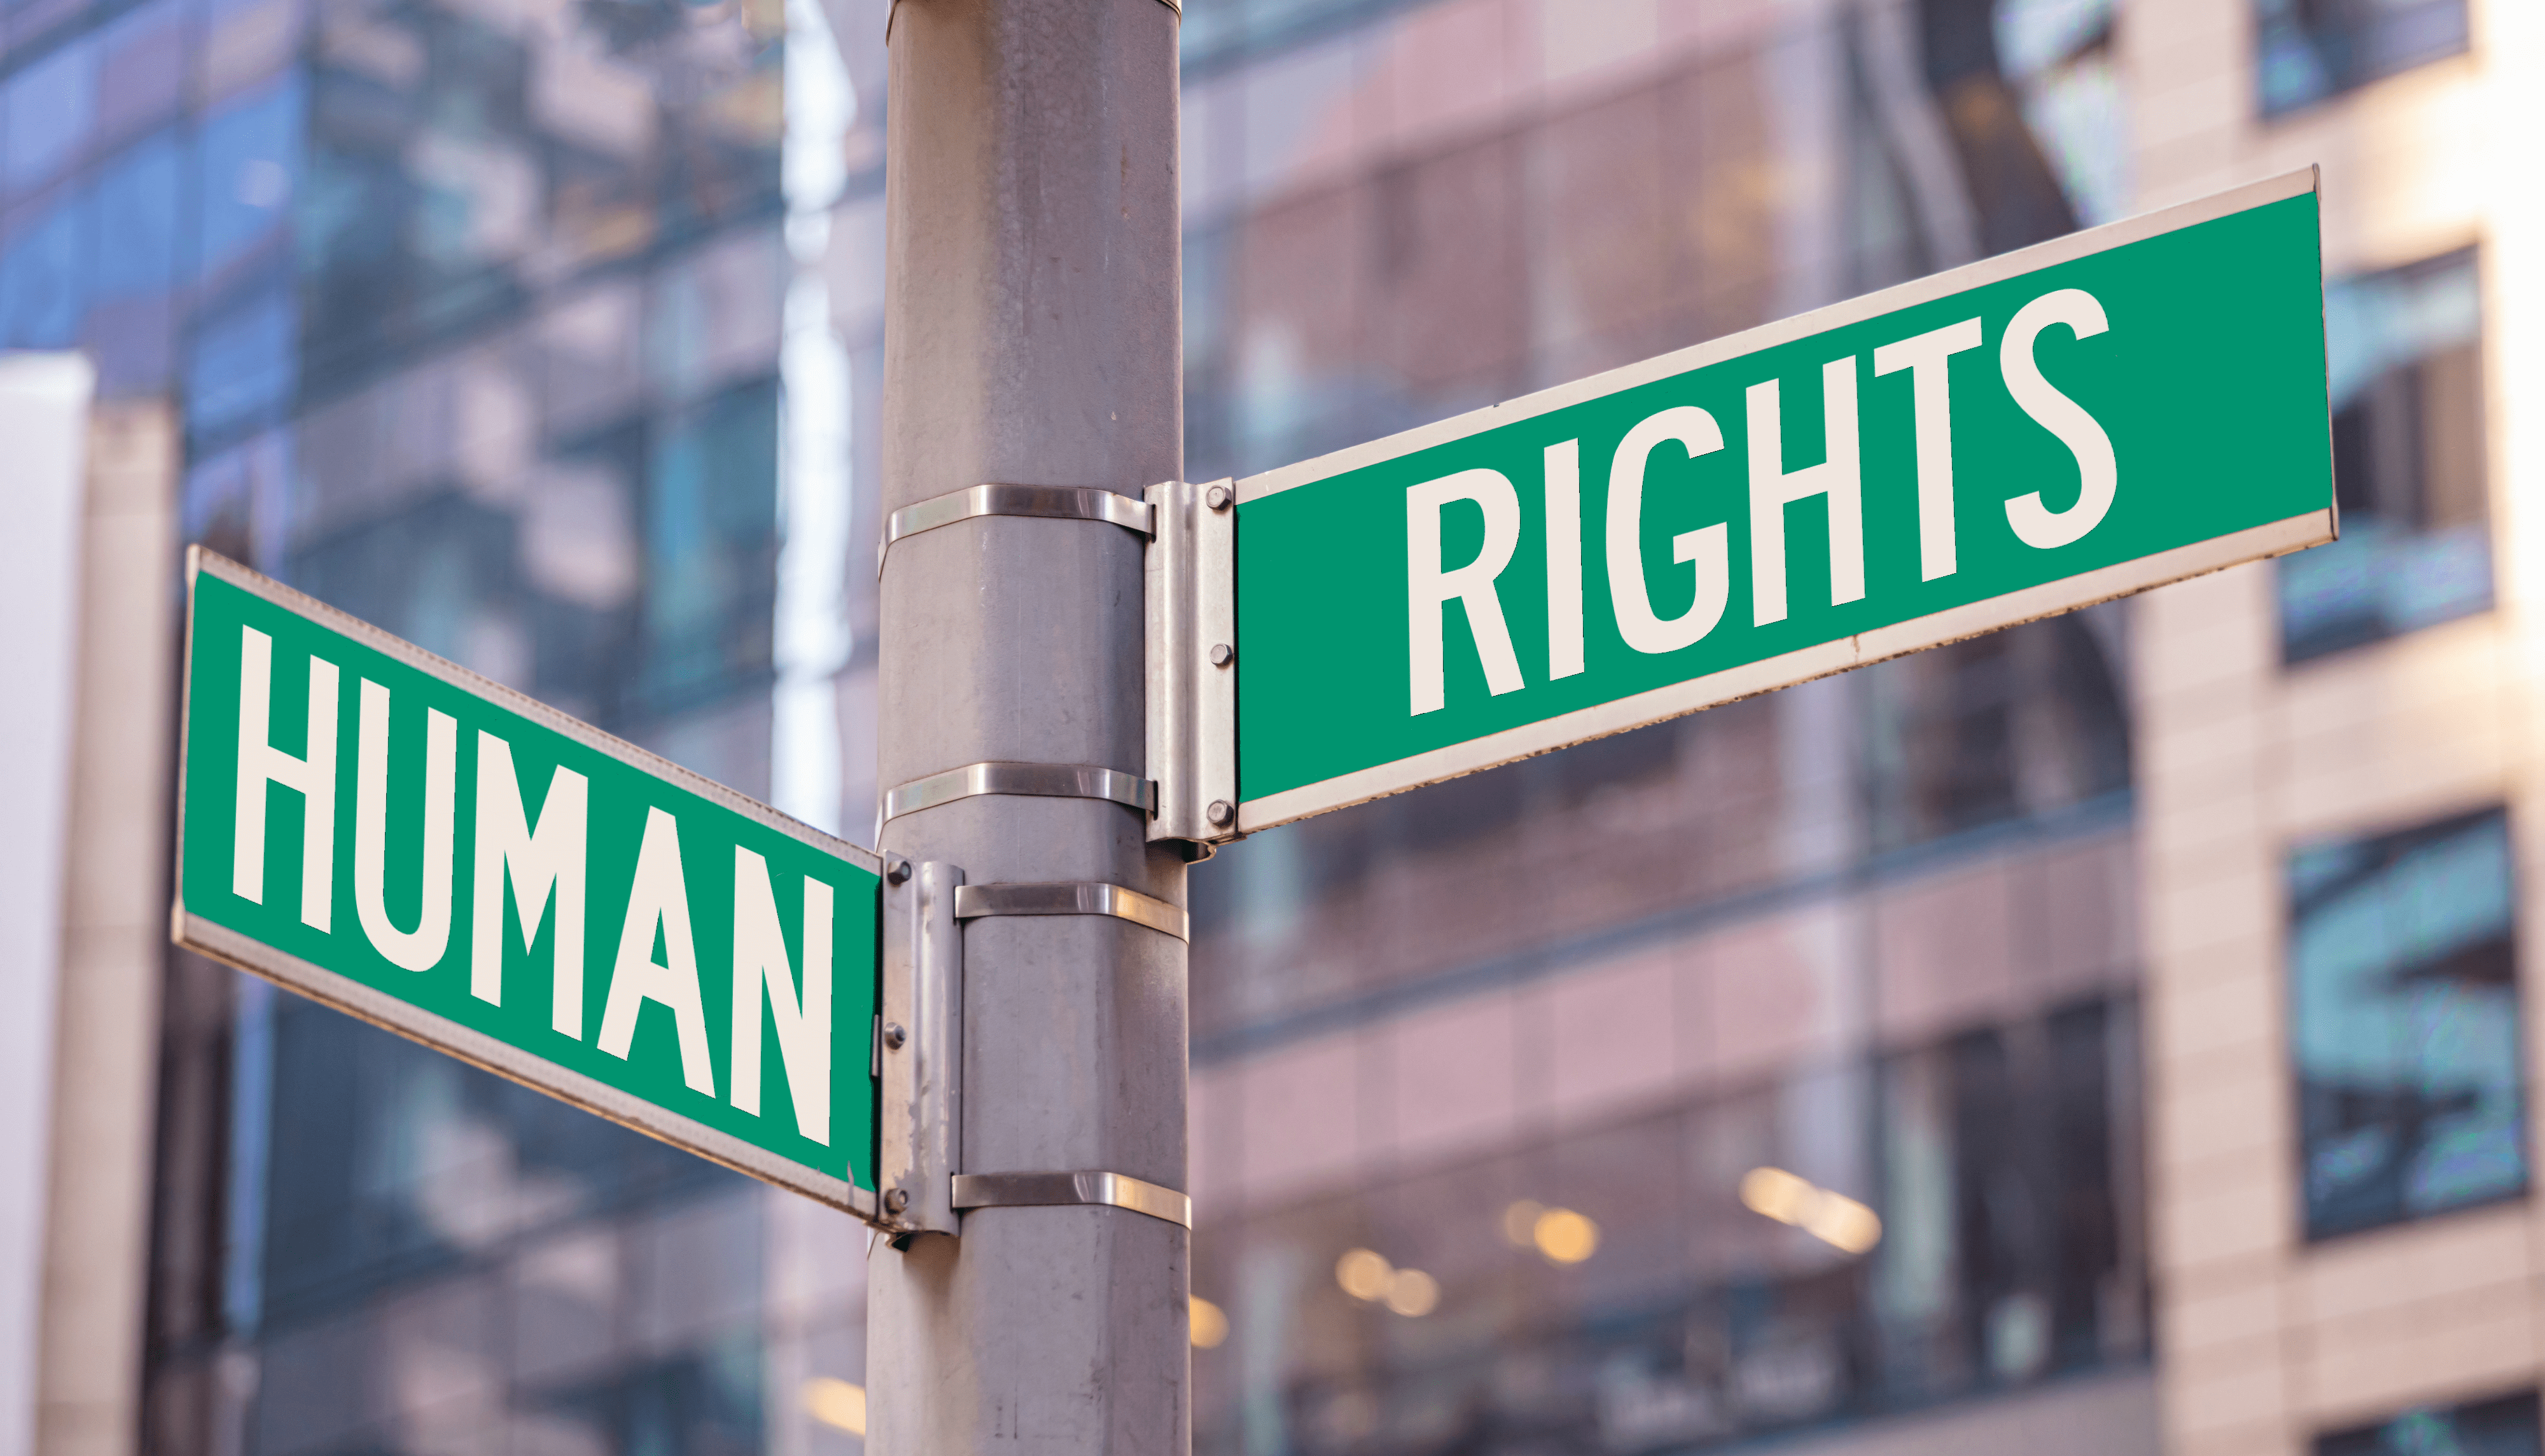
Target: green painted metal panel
[2177,360]
[683,882]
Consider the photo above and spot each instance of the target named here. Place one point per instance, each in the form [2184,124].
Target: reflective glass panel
[2308,50]
[44,279]
[50,110]
[2405,355]
[2506,1427]
[1866,1236]
[2403,1023]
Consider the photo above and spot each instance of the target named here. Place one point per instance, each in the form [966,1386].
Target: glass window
[438,573]
[243,365]
[50,108]
[142,68]
[2016,193]
[2058,53]
[2022,722]
[1861,1238]
[42,281]
[2004,1255]
[248,154]
[136,219]
[710,544]
[2404,356]
[2305,51]
[2506,1427]
[2404,1006]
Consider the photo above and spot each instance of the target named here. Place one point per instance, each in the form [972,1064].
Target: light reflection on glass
[1832,1218]
[836,1404]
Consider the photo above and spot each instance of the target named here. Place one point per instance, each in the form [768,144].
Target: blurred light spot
[1519,1223]
[836,1402]
[1364,1275]
[1210,1325]
[264,183]
[1413,1293]
[1565,1236]
[1832,1218]
[1776,1193]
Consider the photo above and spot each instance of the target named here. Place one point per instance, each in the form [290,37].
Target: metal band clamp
[1177,6]
[1072,897]
[1046,502]
[1037,780]
[1063,1189]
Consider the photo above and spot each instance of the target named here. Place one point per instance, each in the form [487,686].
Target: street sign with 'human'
[2056,427]
[400,838]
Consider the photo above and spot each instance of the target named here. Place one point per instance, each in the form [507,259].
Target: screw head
[896,869]
[1219,498]
[1221,813]
[894,1035]
[896,1200]
[1222,654]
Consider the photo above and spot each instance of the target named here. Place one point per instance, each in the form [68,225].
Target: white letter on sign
[1772,490]
[1429,588]
[419,949]
[803,1023]
[551,862]
[2098,473]
[1926,358]
[1564,559]
[1628,592]
[313,778]
[660,896]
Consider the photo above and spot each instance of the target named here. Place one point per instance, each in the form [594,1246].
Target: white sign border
[478,1048]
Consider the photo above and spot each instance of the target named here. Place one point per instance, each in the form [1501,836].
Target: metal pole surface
[1032,338]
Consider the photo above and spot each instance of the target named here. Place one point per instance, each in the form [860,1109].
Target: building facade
[2104,1036]
[1770,1073]
[2335,771]
[506,327]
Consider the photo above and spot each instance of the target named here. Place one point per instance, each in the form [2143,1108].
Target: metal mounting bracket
[1072,897]
[1191,580]
[1177,6]
[1042,502]
[920,1049]
[1037,780]
[1065,1189]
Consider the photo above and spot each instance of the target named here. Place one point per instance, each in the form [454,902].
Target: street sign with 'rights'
[2056,427]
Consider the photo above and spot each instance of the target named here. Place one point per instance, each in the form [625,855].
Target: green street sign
[398,838]
[2038,432]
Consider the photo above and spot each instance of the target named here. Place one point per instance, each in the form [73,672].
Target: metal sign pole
[1036,1299]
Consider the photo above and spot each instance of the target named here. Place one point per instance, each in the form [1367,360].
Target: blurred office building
[506,325]
[2104,1036]
[1773,1073]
